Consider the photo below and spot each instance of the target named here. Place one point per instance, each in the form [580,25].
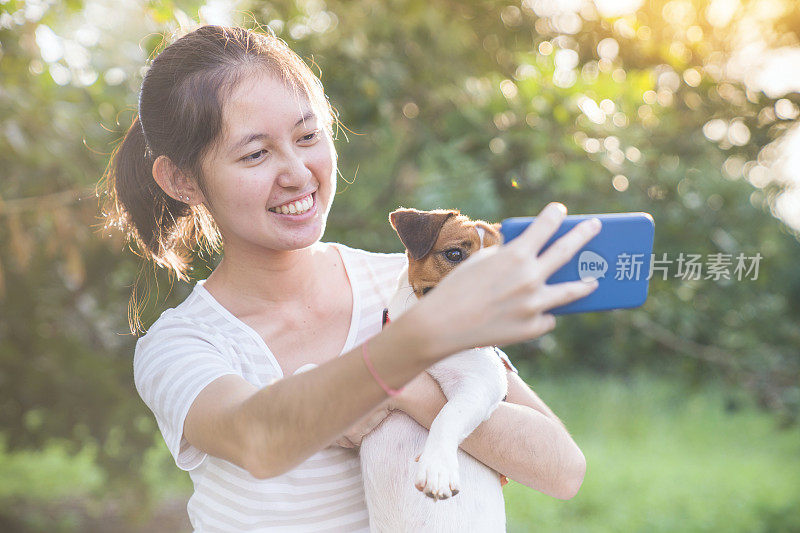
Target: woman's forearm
[293,418]
[518,441]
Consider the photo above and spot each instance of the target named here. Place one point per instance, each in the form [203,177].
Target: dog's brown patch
[418,230]
[437,241]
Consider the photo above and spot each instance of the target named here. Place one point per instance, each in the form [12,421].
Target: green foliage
[456,105]
[35,480]
[56,490]
[49,474]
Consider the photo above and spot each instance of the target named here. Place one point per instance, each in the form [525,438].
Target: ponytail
[164,229]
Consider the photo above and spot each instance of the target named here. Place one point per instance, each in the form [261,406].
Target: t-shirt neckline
[354,317]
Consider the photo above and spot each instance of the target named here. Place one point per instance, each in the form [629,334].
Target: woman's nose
[293,171]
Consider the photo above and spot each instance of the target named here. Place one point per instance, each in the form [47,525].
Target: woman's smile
[297,210]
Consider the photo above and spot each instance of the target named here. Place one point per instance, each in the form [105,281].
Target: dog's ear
[492,233]
[418,230]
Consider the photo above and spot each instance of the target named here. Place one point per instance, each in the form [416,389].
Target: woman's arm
[271,430]
[496,297]
[522,438]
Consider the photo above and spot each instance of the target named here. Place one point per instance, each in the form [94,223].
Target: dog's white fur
[474,382]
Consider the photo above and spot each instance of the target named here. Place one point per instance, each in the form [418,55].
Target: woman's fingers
[562,250]
[542,323]
[344,442]
[375,419]
[558,294]
[534,237]
[355,434]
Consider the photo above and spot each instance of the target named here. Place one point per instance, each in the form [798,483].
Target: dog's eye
[455,255]
[425,290]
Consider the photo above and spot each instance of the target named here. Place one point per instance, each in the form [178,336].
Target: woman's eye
[310,137]
[255,155]
[455,255]
[250,157]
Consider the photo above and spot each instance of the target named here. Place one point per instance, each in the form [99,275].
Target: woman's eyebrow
[247,139]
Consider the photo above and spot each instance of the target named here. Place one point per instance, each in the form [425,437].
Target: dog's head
[437,241]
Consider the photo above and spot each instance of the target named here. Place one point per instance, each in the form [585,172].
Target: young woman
[262,380]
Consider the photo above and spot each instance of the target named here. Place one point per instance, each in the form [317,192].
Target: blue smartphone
[618,257]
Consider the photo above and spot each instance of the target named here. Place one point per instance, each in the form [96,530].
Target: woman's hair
[180,116]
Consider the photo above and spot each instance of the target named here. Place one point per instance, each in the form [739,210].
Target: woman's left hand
[420,389]
[352,437]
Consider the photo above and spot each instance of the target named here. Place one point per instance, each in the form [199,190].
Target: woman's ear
[175,183]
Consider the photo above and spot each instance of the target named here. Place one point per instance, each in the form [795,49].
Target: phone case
[618,257]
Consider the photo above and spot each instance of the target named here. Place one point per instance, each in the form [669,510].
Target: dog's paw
[437,474]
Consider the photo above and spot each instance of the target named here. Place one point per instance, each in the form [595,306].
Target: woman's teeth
[294,208]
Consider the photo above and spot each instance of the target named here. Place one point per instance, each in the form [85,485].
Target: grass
[664,457]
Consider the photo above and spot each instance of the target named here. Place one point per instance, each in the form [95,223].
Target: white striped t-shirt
[198,341]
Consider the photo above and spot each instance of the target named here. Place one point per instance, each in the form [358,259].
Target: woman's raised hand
[498,296]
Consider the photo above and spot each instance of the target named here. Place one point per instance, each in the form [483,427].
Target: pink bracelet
[390,391]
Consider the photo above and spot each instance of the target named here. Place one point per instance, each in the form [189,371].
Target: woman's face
[274,155]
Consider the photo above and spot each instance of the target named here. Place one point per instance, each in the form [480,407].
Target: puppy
[400,454]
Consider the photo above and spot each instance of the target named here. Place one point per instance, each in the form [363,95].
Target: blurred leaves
[491,108]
